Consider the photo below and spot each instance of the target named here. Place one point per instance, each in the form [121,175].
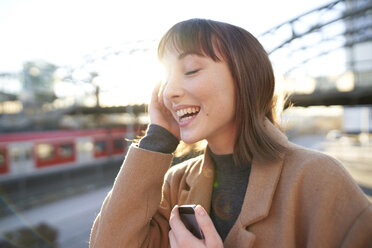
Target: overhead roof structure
[310,37]
[316,28]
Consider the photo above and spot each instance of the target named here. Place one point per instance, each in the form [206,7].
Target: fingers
[157,100]
[212,238]
[162,94]
[179,236]
[157,96]
[162,100]
[155,93]
[177,225]
[172,239]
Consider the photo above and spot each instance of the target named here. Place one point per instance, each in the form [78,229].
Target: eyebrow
[184,54]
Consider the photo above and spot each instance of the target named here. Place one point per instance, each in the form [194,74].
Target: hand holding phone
[187,215]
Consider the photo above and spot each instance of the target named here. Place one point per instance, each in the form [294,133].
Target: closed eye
[191,72]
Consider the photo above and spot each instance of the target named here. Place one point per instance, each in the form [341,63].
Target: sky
[66,32]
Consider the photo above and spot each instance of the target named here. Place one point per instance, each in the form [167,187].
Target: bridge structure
[330,47]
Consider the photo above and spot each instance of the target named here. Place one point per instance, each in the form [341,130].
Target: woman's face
[199,93]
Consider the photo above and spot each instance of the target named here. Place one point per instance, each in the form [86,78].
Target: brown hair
[253,76]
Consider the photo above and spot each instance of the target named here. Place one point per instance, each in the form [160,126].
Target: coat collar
[260,192]
[263,181]
[200,180]
[262,184]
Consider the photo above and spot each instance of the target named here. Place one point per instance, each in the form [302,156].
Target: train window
[86,147]
[15,154]
[119,144]
[45,151]
[4,167]
[2,158]
[100,146]
[27,154]
[66,150]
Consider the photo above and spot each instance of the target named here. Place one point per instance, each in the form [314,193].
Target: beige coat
[307,199]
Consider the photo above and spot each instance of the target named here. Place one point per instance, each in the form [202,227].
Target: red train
[29,153]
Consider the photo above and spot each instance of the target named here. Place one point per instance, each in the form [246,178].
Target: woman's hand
[179,236]
[159,114]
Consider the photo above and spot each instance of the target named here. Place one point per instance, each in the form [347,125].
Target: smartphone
[187,215]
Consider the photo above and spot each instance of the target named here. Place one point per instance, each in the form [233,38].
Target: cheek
[222,104]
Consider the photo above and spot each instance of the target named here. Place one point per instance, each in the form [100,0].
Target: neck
[222,144]
[221,150]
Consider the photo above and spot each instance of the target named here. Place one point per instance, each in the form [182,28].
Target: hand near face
[159,114]
[180,237]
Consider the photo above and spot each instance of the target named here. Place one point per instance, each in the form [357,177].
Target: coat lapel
[259,195]
[258,198]
[260,192]
[263,181]
[200,180]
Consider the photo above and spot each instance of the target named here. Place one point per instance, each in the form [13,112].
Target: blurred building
[358,119]
[359,36]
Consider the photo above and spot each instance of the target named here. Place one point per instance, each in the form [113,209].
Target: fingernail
[200,210]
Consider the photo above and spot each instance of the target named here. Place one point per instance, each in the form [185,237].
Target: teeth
[186,118]
[189,110]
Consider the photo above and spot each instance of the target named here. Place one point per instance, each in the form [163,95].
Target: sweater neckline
[226,164]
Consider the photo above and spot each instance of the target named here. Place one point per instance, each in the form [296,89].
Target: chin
[189,139]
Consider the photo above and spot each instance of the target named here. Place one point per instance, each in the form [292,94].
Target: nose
[173,90]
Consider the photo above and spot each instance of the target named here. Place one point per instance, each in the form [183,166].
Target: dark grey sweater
[230,184]
[230,180]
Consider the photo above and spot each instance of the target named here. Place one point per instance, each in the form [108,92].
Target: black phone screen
[187,215]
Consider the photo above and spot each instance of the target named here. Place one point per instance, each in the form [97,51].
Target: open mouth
[187,113]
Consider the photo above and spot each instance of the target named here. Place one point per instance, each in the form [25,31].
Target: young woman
[252,186]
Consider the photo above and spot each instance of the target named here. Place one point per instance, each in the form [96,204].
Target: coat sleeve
[334,210]
[360,233]
[135,212]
